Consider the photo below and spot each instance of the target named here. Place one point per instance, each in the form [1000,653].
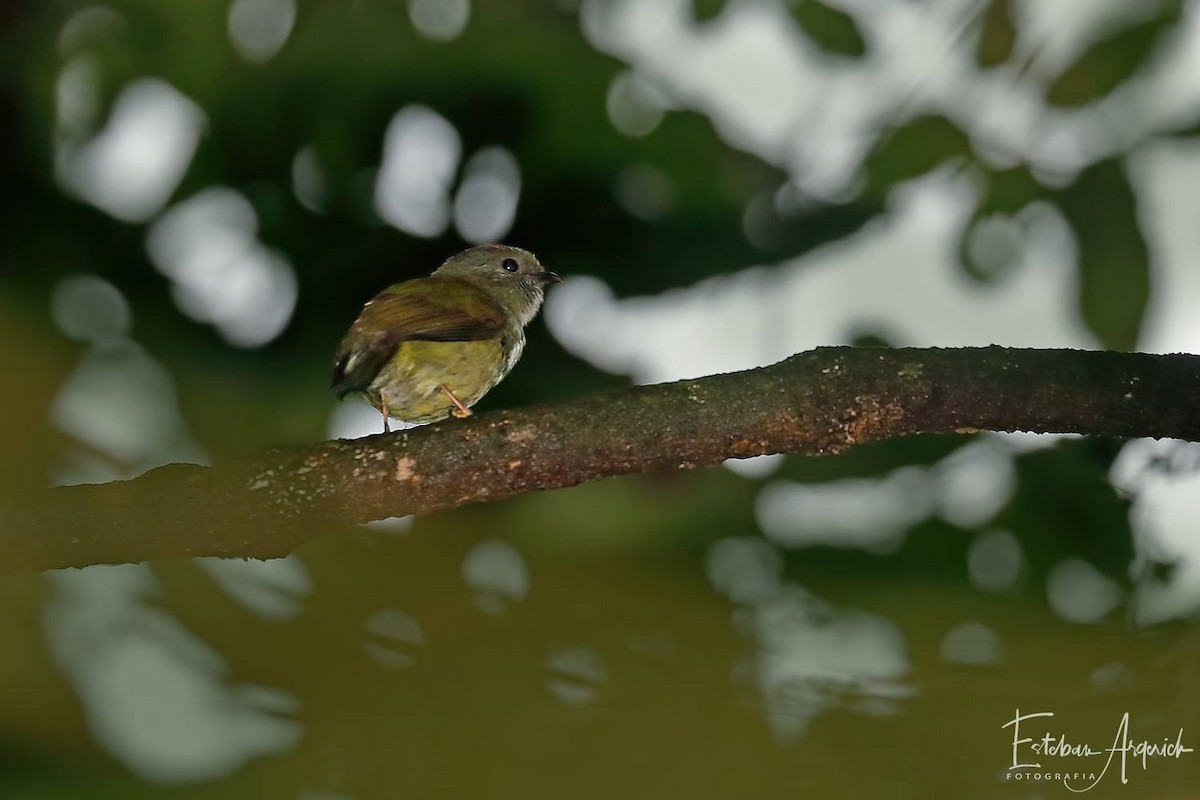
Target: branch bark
[818,402]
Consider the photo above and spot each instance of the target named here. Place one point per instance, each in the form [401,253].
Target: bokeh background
[198,196]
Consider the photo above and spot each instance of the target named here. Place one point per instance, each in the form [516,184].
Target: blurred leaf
[913,149]
[1188,132]
[1010,190]
[830,28]
[989,244]
[1114,261]
[775,227]
[1065,506]
[707,10]
[1108,63]
[870,339]
[997,34]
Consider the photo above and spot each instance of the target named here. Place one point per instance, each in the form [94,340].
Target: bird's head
[511,276]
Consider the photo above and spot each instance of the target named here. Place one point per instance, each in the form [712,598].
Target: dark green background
[617,569]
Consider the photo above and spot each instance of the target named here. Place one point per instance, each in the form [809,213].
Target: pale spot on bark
[523,435]
[406,469]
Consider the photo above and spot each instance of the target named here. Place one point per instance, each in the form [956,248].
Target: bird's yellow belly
[410,384]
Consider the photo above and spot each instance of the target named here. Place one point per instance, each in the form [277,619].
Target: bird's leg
[387,428]
[460,411]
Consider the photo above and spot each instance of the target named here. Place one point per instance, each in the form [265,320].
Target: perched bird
[429,348]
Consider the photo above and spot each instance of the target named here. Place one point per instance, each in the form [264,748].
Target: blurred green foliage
[829,27]
[913,149]
[998,34]
[1114,59]
[1114,260]
[611,562]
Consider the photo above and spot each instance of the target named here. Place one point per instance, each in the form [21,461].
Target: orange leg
[387,428]
[460,410]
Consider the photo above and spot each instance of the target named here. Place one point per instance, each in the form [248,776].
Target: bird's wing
[429,310]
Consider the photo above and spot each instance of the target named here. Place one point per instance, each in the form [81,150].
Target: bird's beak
[549,277]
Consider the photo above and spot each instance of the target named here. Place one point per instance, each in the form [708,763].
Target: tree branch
[814,403]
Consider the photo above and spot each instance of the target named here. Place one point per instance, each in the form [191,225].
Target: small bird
[431,347]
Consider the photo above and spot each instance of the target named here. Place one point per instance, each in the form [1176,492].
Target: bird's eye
[510,265]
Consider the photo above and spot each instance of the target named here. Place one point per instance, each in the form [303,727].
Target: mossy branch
[814,403]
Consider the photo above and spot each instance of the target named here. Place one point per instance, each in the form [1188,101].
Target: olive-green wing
[428,309]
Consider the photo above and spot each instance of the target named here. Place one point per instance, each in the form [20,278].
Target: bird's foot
[460,411]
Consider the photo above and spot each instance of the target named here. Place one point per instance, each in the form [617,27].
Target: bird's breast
[411,382]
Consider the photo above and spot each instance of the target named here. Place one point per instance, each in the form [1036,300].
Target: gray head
[510,275]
